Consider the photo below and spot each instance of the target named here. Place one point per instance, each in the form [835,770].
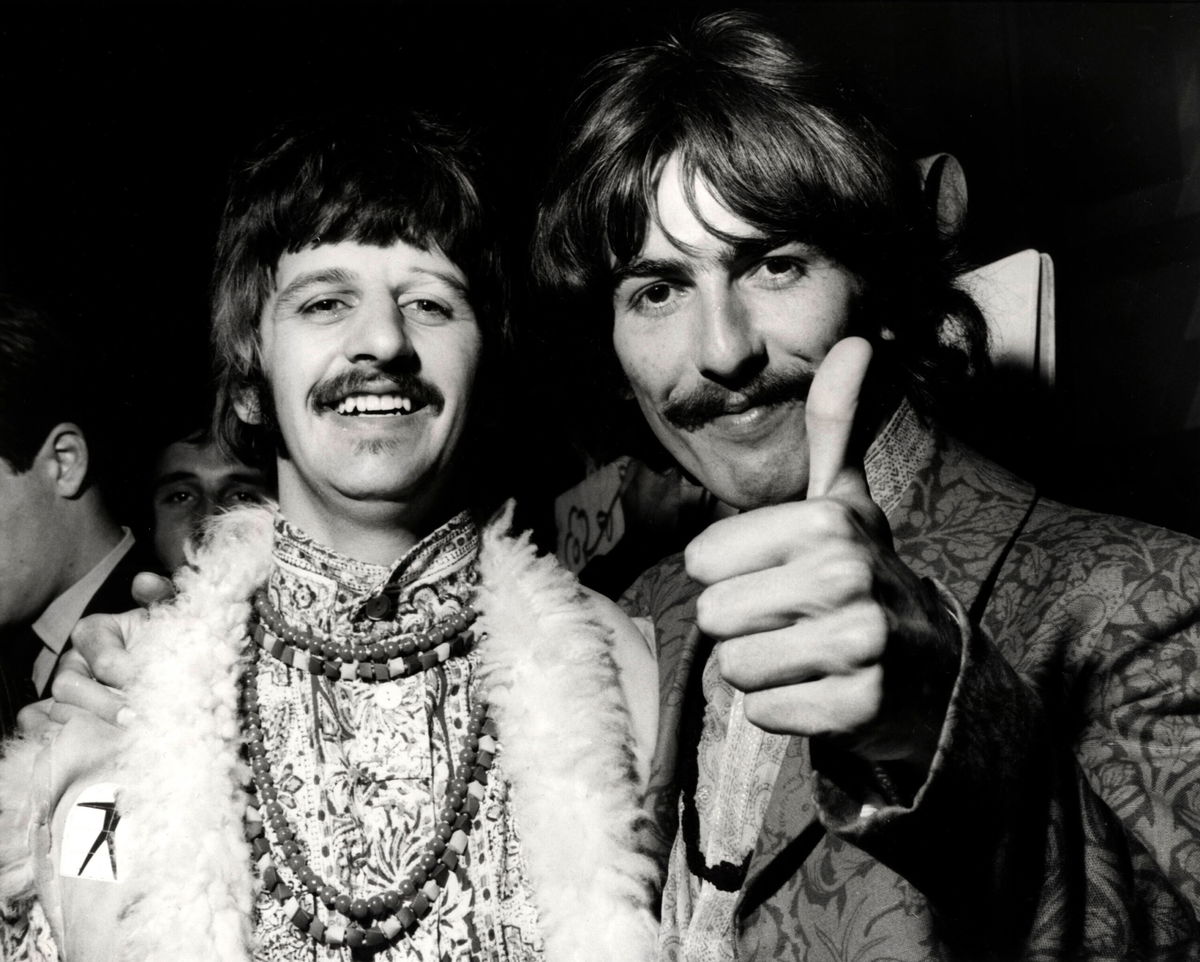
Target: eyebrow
[340,276]
[299,283]
[238,477]
[642,267]
[732,255]
[174,476]
[454,283]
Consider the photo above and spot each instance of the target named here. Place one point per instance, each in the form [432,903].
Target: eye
[243,496]
[778,270]
[427,307]
[324,305]
[175,498]
[655,298]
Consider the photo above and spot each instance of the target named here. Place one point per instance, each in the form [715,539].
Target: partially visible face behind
[371,355]
[192,482]
[719,342]
[31,547]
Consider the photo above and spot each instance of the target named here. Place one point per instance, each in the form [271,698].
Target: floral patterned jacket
[1061,818]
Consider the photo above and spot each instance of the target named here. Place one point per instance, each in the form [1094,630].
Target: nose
[377,332]
[204,508]
[728,348]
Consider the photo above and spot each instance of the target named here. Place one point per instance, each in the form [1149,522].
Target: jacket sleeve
[47,835]
[1059,817]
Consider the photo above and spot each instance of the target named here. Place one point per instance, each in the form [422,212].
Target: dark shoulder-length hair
[788,149]
[372,179]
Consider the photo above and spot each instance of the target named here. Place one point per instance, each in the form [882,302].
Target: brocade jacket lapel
[952,523]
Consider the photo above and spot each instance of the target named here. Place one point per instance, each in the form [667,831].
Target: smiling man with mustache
[910,709]
[368,724]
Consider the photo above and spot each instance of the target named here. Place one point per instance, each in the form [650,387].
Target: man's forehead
[691,215]
[194,459]
[682,229]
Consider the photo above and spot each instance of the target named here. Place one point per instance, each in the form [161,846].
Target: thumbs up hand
[821,625]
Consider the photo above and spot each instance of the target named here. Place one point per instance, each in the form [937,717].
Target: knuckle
[868,695]
[859,640]
[869,623]
[831,518]
[852,571]
[86,629]
[31,718]
[65,682]
[733,664]
[105,663]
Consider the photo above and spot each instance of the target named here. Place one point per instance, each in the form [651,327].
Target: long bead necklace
[381,919]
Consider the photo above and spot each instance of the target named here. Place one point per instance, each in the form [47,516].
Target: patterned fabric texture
[361,768]
[368,764]
[1060,818]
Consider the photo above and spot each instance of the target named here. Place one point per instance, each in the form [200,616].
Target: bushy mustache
[355,381]
[710,400]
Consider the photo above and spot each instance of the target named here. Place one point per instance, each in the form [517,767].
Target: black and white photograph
[600,481]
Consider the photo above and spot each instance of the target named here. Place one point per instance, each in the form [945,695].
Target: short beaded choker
[379,920]
[399,656]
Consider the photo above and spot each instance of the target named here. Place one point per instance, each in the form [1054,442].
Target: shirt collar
[321,588]
[899,451]
[56,622]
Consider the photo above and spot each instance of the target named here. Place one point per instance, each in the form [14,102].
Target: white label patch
[90,837]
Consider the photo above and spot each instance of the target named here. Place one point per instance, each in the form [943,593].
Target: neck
[93,533]
[373,531]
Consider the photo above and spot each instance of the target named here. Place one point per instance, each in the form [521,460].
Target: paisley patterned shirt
[362,767]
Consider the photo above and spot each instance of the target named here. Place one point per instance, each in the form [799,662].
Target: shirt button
[380,608]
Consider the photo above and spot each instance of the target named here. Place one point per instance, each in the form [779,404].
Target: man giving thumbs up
[909,709]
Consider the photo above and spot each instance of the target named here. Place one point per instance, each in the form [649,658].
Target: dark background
[1078,125]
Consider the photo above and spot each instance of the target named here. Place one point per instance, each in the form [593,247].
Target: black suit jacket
[18,649]
[113,595]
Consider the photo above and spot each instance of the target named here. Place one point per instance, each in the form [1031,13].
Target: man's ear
[66,454]
[246,404]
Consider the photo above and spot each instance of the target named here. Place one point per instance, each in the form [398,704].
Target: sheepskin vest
[544,667]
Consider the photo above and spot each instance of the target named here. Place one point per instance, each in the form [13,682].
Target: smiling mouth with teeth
[377,404]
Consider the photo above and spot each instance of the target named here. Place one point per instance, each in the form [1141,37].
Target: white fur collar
[563,729]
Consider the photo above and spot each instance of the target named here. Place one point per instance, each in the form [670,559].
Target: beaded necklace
[381,919]
[398,656]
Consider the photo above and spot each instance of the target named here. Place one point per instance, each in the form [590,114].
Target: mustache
[710,401]
[329,392]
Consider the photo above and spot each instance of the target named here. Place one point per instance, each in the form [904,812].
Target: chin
[746,491]
[380,491]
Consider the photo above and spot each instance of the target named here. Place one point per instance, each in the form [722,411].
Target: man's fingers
[149,588]
[833,571]
[830,410]
[836,705]
[61,712]
[842,643]
[74,691]
[35,720]
[766,537]
[99,641]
